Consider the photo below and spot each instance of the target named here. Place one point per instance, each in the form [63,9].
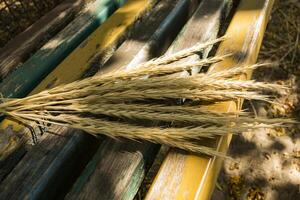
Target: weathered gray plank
[105,177]
[118,167]
[25,178]
[19,48]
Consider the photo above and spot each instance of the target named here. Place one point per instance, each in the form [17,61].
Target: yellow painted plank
[74,66]
[194,177]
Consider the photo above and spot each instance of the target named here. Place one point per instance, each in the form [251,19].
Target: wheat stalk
[97,104]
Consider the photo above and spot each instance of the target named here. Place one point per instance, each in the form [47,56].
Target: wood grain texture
[109,34]
[118,167]
[199,173]
[105,177]
[18,50]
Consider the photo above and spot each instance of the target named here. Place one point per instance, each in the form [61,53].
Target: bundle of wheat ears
[146,103]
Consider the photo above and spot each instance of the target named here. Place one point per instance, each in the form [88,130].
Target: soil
[266,162]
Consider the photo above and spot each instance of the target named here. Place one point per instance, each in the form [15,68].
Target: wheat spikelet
[194,114]
[194,118]
[192,82]
[163,60]
[186,138]
[193,88]
[235,70]
[92,95]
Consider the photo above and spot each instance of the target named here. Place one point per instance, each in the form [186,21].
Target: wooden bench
[73,165]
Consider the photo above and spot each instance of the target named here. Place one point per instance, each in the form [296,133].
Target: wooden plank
[117,169]
[115,183]
[187,176]
[20,47]
[25,180]
[20,82]
[40,182]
